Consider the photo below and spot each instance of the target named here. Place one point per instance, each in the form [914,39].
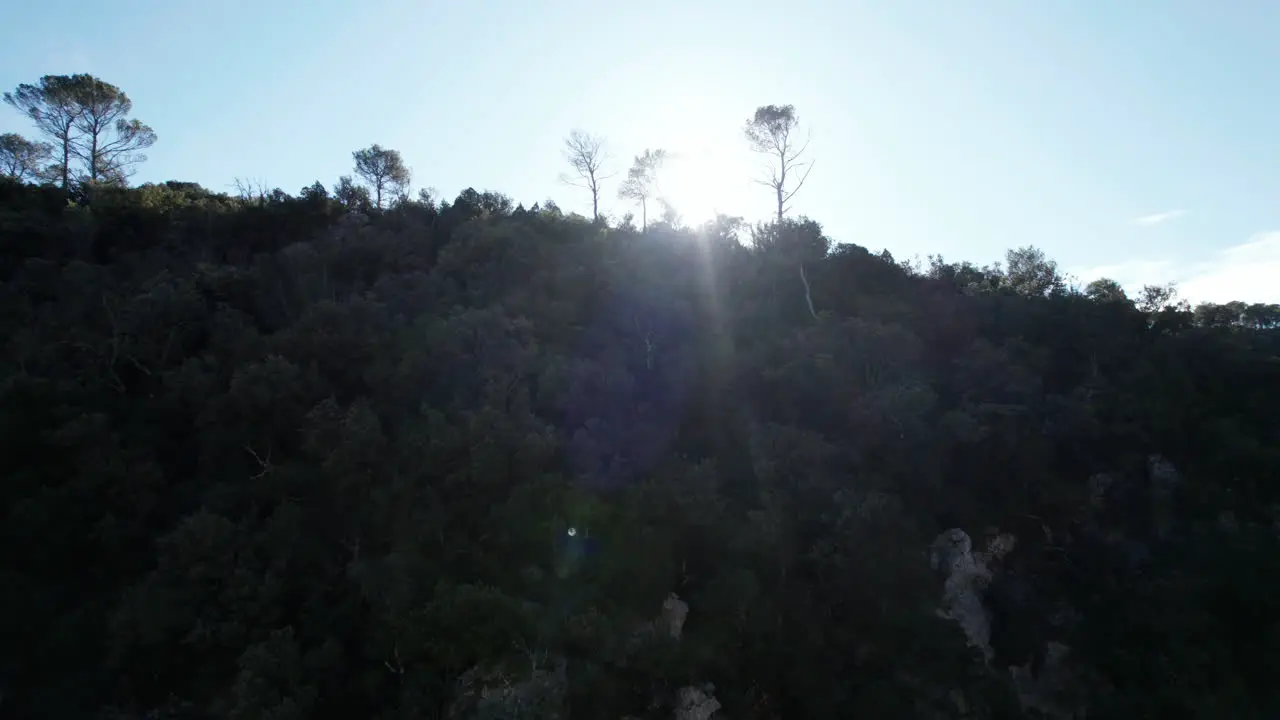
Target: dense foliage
[297,457]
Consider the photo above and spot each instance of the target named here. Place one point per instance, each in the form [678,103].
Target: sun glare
[698,187]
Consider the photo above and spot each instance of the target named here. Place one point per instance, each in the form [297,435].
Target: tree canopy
[769,132]
[641,184]
[321,455]
[23,160]
[384,170]
[85,119]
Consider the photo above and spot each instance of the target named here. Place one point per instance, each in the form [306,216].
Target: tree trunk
[782,180]
[66,158]
[808,298]
[93,159]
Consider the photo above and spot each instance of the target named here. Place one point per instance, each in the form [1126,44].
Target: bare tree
[254,191]
[769,132]
[53,107]
[384,170]
[110,143]
[586,155]
[642,180]
[22,159]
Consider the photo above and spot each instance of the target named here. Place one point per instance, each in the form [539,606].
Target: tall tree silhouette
[110,143]
[384,170]
[53,105]
[642,180]
[769,131]
[586,155]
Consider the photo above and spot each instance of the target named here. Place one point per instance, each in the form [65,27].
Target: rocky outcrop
[496,693]
[692,702]
[967,576]
[536,687]
[668,624]
[1124,519]
[696,703]
[674,612]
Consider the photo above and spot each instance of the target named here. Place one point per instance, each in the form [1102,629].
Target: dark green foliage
[294,457]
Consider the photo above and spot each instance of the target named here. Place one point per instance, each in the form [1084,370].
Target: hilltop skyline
[1131,142]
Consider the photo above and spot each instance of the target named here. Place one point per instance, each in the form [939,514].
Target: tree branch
[800,184]
[808,298]
[800,152]
[265,464]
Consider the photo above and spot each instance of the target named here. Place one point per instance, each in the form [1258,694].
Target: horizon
[1128,142]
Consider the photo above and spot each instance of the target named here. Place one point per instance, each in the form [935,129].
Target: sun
[697,186]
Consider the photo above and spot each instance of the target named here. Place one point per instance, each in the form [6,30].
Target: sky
[1135,140]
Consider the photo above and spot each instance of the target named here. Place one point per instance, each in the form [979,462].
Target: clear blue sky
[936,128]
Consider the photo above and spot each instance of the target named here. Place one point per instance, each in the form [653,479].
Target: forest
[362,454]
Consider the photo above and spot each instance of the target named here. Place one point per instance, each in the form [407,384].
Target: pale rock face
[538,692]
[669,622]
[1051,692]
[674,612]
[696,703]
[967,576]
[692,702]
[493,694]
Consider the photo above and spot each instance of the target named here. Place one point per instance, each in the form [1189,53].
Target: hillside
[299,457]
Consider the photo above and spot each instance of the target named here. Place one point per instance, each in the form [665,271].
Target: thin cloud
[1132,274]
[1245,272]
[1160,217]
